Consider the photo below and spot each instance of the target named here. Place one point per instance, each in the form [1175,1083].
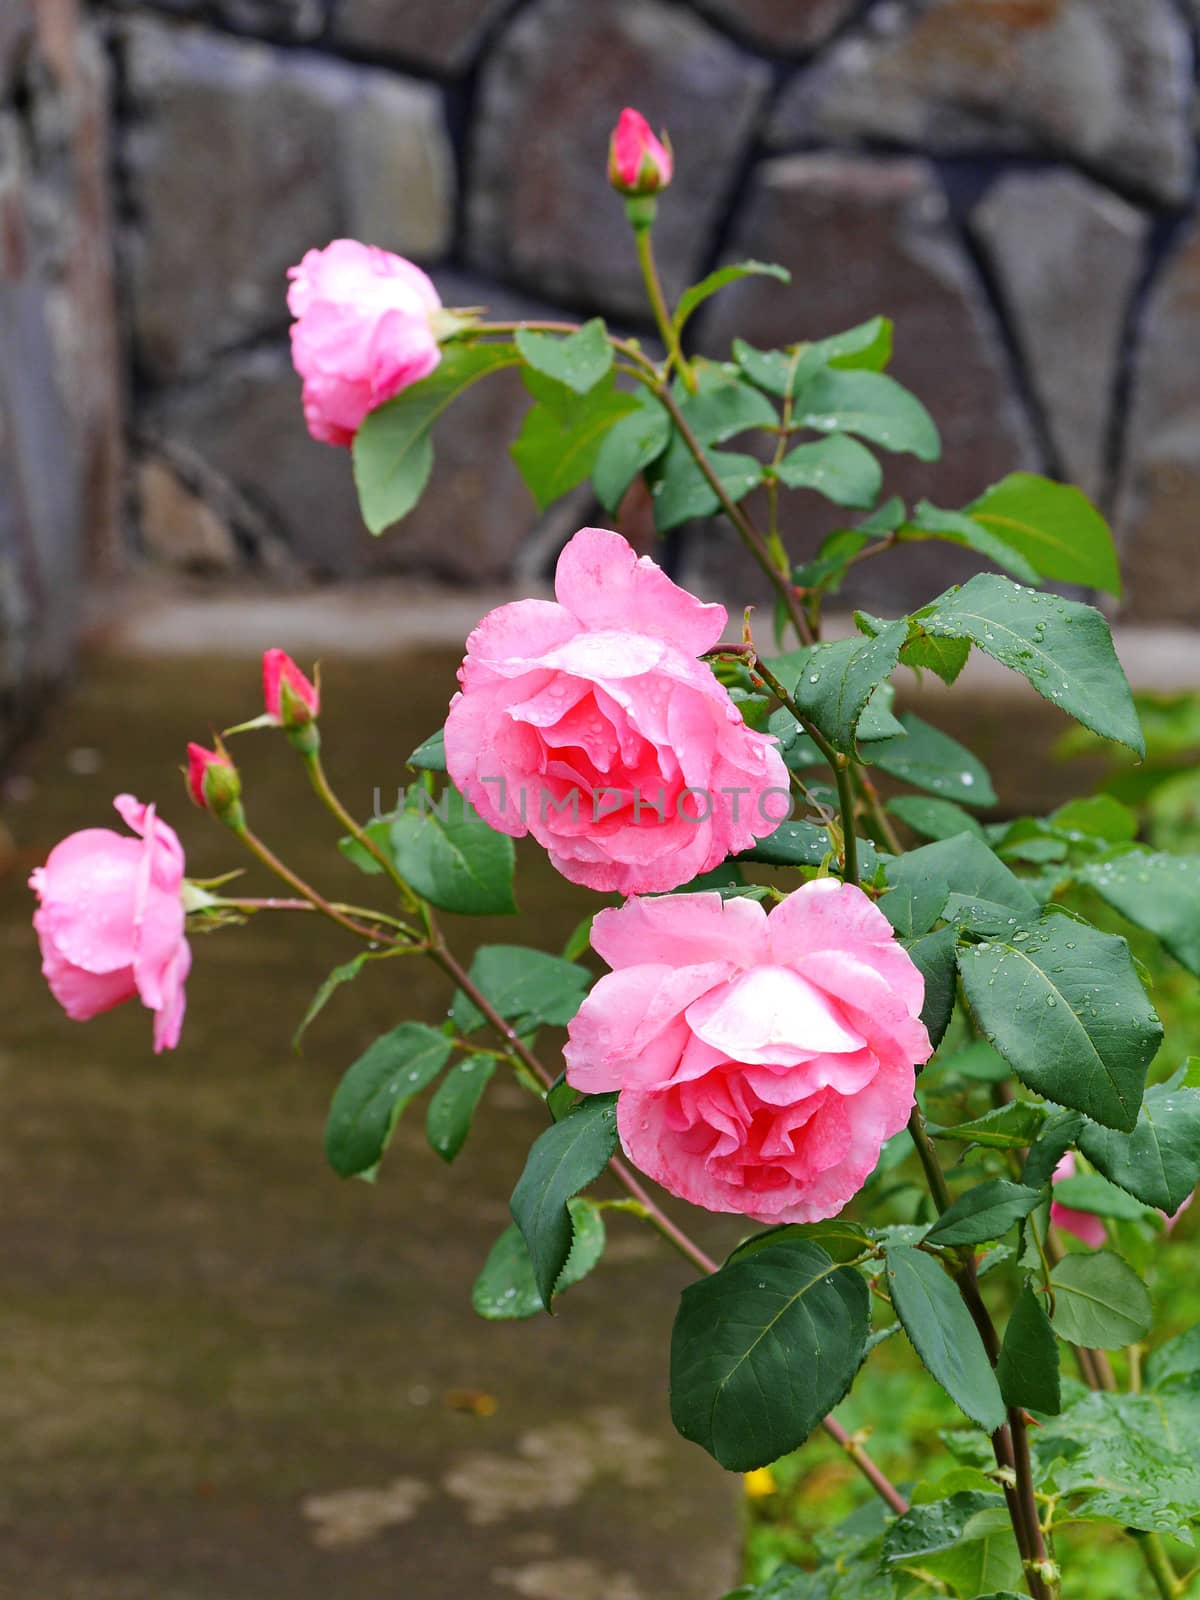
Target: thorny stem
[318,901]
[274,903]
[325,793]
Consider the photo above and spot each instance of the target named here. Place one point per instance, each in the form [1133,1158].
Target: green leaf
[1158,892]
[448,1120]
[1063,648]
[1099,1301]
[965,1541]
[628,448]
[1088,1191]
[1131,1457]
[681,491]
[946,657]
[934,956]
[1159,1162]
[912,907]
[840,678]
[451,857]
[1098,816]
[506,1287]
[368,1102]
[763,1349]
[563,1160]
[1062,1003]
[779,372]
[526,987]
[579,361]
[1054,526]
[840,1239]
[1028,1369]
[1058,1133]
[955,527]
[558,446]
[968,869]
[932,818]
[985,1212]
[346,973]
[1178,1358]
[392,450]
[793,844]
[840,468]
[694,297]
[941,1330]
[869,404]
[977,1061]
[1008,1127]
[867,345]
[827,569]
[430,754]
[724,406]
[930,759]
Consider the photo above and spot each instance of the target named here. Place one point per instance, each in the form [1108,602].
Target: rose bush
[111,920]
[761,1059]
[589,722]
[754,1047]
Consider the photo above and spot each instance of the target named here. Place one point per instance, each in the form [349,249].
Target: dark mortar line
[217,363]
[1163,235]
[775,54]
[964,189]
[463,112]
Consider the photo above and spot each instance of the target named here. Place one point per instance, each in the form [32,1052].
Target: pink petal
[603,583]
[771,1014]
[693,928]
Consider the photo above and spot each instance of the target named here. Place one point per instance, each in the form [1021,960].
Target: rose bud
[1085,1225]
[638,163]
[365,329]
[214,783]
[111,920]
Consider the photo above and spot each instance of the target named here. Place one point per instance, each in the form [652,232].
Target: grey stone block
[243,157]
[1106,83]
[1067,256]
[285,19]
[442,38]
[1159,506]
[540,207]
[862,238]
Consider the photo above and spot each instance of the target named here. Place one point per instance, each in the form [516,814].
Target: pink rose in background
[591,724]
[761,1059]
[1085,1225]
[362,333]
[110,920]
[638,163]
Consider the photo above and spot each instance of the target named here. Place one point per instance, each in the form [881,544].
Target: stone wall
[1012,180]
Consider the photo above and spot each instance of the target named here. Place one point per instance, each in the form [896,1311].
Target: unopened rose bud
[638,163]
[291,700]
[214,783]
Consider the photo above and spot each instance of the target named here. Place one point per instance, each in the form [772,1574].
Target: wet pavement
[228,1375]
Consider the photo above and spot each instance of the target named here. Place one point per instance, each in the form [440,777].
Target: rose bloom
[110,920]
[1086,1225]
[362,333]
[762,1059]
[591,724]
[638,163]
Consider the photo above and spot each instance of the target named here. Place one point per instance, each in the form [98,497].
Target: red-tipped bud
[638,163]
[291,700]
[213,782]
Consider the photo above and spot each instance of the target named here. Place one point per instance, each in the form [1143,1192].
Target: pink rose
[591,724]
[638,163]
[761,1059]
[111,920]
[1085,1225]
[362,333]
